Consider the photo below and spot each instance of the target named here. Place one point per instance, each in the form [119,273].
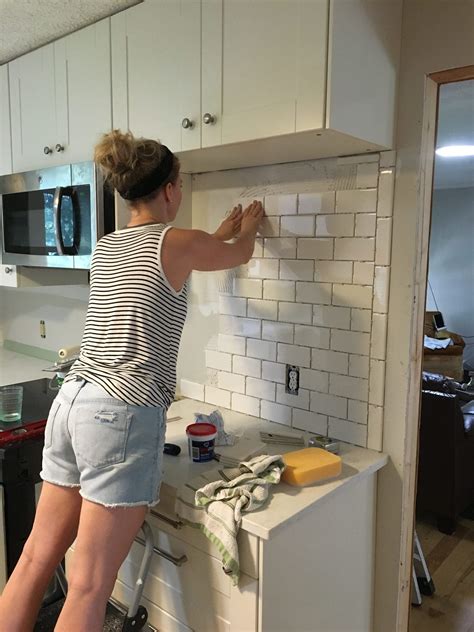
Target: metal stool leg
[422,581]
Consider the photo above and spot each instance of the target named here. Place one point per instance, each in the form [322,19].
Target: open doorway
[445,483]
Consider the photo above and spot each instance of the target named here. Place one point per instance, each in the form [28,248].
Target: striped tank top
[134,319]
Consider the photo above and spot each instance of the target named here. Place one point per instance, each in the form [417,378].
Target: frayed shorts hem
[139,503]
[59,483]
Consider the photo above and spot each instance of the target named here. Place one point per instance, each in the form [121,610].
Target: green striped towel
[215,501]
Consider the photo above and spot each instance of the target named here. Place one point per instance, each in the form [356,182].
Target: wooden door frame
[425,193]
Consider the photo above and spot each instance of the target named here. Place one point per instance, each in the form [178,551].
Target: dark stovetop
[37,400]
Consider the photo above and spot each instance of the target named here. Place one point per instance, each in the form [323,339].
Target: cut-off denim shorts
[112,450]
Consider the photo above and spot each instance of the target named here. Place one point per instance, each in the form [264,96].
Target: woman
[106,429]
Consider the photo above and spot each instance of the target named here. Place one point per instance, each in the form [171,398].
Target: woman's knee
[82,587]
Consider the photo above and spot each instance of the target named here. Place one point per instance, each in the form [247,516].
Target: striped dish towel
[215,501]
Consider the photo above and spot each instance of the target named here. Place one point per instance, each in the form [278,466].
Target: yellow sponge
[309,465]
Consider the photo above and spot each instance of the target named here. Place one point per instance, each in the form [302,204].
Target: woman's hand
[230,227]
[251,218]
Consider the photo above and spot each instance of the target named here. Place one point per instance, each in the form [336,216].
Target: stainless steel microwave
[53,217]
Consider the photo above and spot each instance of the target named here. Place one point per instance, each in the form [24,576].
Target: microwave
[54,217]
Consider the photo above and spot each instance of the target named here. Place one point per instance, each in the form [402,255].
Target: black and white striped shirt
[134,319]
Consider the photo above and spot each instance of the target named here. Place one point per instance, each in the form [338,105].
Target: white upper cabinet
[156,71]
[5,138]
[60,99]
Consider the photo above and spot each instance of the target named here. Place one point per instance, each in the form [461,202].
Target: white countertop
[17,367]
[286,503]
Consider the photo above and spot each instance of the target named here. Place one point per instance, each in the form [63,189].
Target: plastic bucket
[201,438]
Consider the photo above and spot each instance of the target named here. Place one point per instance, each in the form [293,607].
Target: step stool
[422,581]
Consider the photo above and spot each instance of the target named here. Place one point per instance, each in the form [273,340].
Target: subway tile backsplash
[314,295]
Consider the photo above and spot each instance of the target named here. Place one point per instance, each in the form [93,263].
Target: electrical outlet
[42,329]
[292,385]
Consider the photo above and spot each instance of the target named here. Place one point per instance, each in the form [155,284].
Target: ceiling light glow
[455,151]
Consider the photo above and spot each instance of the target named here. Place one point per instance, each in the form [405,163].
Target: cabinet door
[273,67]
[33,109]
[156,71]
[5,137]
[83,80]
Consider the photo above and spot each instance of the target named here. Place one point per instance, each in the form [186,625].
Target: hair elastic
[153,180]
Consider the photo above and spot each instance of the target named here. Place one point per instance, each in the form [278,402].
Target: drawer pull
[177,524]
[177,561]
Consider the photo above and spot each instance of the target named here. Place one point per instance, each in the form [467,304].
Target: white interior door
[156,65]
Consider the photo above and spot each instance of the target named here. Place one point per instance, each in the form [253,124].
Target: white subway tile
[347,431]
[377,382]
[246,366]
[352,296]
[317,202]
[296,270]
[388,158]
[280,204]
[356,201]
[383,251]
[386,189]
[378,343]
[297,401]
[375,428]
[262,309]
[264,268]
[260,388]
[365,224]
[270,227]
[279,247]
[363,273]
[315,248]
[355,248]
[330,361]
[231,382]
[249,288]
[350,342]
[279,290]
[294,313]
[276,412]
[328,404]
[232,306]
[314,380]
[299,226]
[312,336]
[320,293]
[361,320]
[357,411]
[211,376]
[328,316]
[333,271]
[231,344]
[218,360]
[346,386]
[334,225]
[312,422]
[359,366]
[291,354]
[217,396]
[246,405]
[258,249]
[193,390]
[381,289]
[261,349]
[280,332]
[250,327]
[367,175]
[274,371]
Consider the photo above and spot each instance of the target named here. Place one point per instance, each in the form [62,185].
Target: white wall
[436,35]
[450,267]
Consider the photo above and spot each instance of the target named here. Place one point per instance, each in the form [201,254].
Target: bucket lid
[201,429]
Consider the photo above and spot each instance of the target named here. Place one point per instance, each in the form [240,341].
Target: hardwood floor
[450,560]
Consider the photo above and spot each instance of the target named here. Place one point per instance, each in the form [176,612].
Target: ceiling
[28,24]
[455,127]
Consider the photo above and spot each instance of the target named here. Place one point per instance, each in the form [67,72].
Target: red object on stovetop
[22,433]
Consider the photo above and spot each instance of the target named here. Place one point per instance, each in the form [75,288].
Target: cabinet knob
[208,119]
[59,147]
[47,150]
[8,270]
[187,123]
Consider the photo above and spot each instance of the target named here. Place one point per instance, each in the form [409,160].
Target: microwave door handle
[57,201]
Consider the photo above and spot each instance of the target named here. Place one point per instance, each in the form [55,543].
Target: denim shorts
[112,450]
